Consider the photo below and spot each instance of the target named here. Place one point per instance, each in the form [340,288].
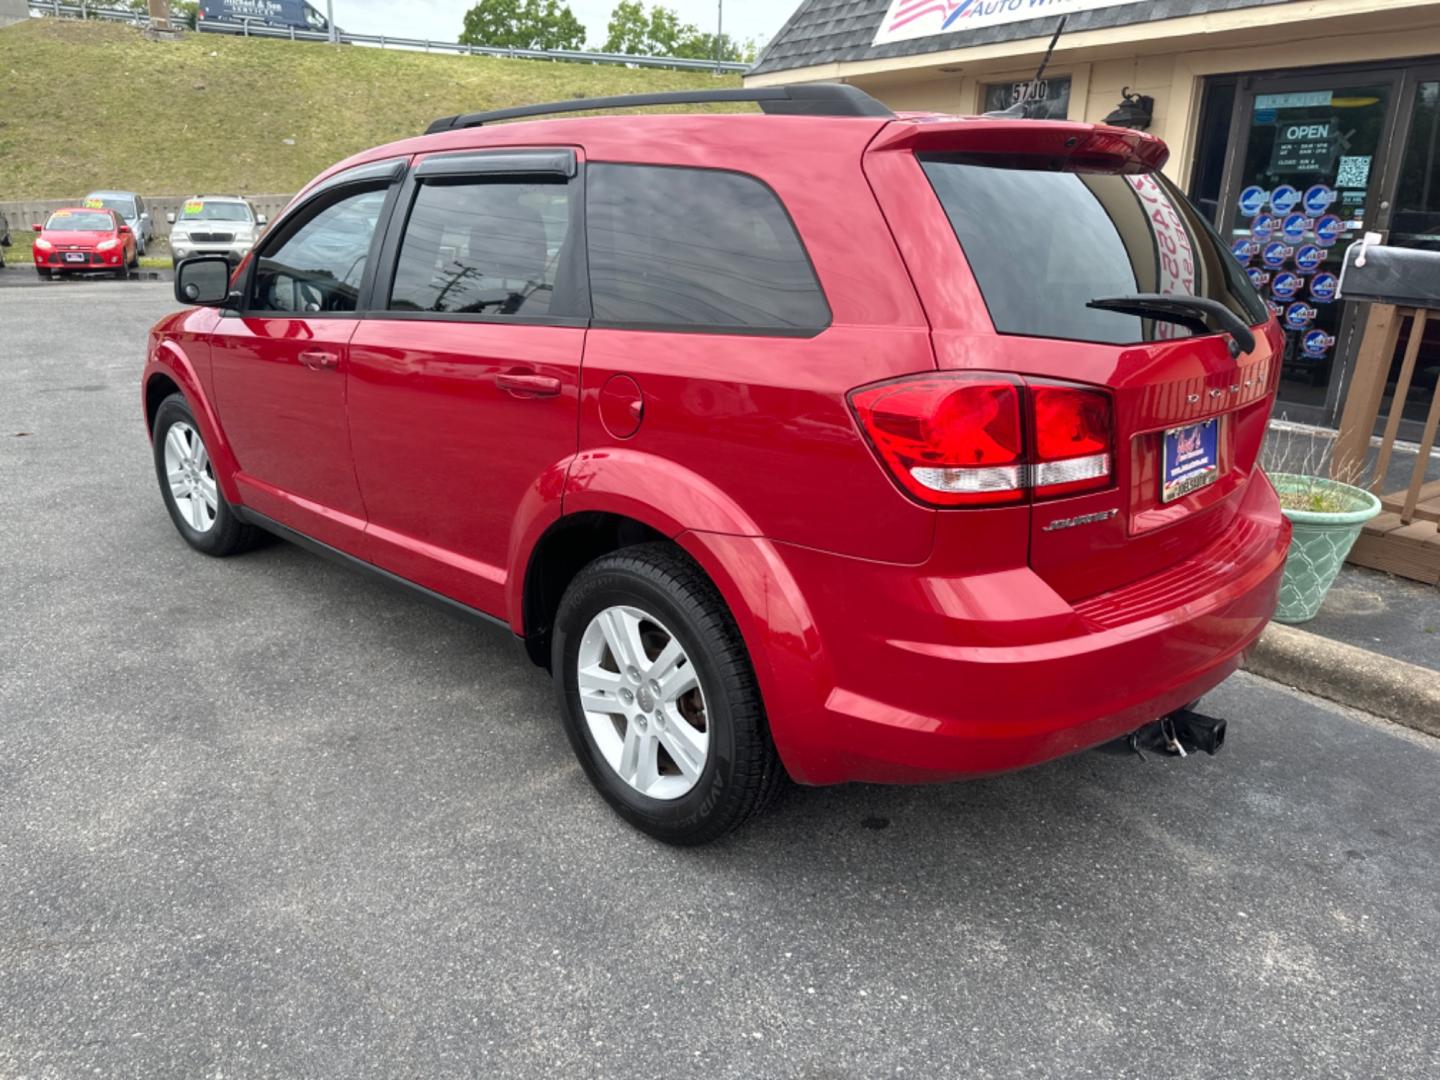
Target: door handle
[528,385]
[315,359]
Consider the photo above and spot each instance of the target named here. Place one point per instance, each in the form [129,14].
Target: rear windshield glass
[1043,244]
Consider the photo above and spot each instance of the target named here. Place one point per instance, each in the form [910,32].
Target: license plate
[75,256]
[1191,459]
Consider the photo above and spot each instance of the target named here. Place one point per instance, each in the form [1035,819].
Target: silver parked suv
[132,210]
[214,225]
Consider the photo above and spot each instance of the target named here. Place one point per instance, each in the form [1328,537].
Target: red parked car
[826,442]
[81,238]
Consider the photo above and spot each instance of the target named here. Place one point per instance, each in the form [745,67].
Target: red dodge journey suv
[820,442]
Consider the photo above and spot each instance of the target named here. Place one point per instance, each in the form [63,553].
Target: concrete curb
[1405,693]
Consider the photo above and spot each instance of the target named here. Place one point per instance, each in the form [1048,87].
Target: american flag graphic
[918,18]
[907,11]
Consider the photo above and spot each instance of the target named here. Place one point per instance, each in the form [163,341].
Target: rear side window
[1042,244]
[482,247]
[706,249]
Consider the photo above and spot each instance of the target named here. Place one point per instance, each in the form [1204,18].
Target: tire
[670,601]
[211,528]
[134,263]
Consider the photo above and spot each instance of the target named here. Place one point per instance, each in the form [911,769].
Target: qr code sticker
[1354,173]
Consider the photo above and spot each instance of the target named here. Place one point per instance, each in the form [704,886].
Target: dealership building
[1297,125]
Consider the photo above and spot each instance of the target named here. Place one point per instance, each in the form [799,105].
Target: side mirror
[38,228]
[203,280]
[261,219]
[124,230]
[145,216]
[170,218]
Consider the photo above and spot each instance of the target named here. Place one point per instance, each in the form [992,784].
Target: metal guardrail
[256,28]
[88,11]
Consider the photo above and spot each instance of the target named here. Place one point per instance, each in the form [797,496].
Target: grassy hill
[90,104]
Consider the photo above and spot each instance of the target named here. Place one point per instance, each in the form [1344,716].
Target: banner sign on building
[909,19]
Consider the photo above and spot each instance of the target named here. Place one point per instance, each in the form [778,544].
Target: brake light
[983,439]
[1073,428]
[951,440]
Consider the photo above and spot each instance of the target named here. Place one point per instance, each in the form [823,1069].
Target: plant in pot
[1326,514]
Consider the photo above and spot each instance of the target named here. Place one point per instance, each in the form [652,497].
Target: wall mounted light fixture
[1134,111]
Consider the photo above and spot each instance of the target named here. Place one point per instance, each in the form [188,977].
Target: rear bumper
[898,674]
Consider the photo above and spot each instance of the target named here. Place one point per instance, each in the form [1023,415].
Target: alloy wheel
[191,477]
[643,702]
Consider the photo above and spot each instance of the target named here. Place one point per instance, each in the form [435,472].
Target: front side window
[316,265]
[696,249]
[483,247]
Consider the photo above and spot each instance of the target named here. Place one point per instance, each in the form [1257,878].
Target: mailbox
[1380,274]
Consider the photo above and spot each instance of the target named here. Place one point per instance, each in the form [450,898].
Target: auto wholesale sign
[909,19]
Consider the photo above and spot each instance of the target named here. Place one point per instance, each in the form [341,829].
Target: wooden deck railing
[1405,538]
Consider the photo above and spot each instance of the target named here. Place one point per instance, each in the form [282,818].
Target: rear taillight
[950,440]
[981,439]
[1072,438]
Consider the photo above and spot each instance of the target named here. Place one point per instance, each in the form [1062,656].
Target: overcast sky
[440,20]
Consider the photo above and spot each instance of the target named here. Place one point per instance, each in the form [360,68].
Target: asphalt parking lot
[263,817]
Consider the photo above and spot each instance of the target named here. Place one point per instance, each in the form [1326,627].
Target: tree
[182,12]
[629,30]
[560,29]
[523,24]
[660,32]
[702,47]
[666,31]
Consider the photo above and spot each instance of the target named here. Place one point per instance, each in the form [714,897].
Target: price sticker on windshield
[94,204]
[193,207]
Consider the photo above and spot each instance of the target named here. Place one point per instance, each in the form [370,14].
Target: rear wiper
[1193,312]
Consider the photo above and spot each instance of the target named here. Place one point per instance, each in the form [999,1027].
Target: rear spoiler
[1056,145]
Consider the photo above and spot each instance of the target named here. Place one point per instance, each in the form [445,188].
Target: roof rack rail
[814,99]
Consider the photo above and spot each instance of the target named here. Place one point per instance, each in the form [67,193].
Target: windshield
[81,221]
[204,210]
[1043,244]
[123,205]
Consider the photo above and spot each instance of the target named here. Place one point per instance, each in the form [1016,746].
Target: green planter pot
[1320,543]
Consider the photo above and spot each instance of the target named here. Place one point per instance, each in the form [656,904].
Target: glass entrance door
[1414,221]
[1302,187]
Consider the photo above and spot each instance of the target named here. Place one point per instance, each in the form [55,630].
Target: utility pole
[719,28]
[330,22]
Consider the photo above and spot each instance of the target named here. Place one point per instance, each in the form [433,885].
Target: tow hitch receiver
[1180,734]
